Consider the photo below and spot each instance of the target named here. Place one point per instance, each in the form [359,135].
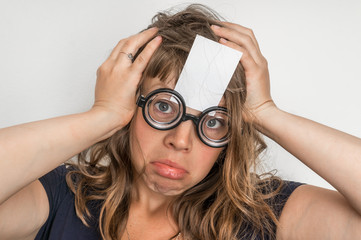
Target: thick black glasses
[164,109]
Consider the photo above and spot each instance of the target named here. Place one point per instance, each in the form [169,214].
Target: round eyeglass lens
[214,127]
[163,110]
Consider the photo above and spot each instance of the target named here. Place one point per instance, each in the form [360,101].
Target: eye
[214,123]
[163,107]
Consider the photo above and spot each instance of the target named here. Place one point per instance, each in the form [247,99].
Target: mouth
[169,169]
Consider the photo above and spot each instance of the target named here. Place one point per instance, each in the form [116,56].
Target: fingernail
[222,40]
[158,38]
[215,27]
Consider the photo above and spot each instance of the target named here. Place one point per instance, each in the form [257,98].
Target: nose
[181,137]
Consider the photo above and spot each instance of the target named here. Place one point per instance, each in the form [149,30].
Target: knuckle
[248,40]
[98,72]
[250,32]
[245,53]
[104,68]
[265,62]
[227,31]
[222,29]
[101,69]
[141,59]
[121,41]
[127,43]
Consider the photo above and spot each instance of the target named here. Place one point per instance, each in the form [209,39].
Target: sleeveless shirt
[63,223]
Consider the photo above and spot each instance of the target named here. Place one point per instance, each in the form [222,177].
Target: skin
[310,212]
[180,145]
[153,192]
[48,143]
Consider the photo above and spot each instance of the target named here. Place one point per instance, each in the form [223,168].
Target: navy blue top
[63,224]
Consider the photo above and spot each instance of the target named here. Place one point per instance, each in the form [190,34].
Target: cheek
[138,140]
[145,141]
[141,131]
[205,160]
[143,138]
[140,128]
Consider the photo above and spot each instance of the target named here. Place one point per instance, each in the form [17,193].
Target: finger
[243,30]
[239,38]
[131,44]
[246,60]
[143,58]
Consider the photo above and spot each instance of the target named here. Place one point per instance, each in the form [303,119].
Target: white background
[50,51]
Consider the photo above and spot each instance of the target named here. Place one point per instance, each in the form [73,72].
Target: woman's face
[173,160]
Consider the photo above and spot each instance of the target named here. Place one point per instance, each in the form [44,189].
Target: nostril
[180,137]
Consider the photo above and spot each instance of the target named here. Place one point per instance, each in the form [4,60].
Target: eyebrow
[154,87]
[163,85]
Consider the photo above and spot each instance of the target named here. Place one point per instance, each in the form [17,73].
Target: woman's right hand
[118,77]
[47,143]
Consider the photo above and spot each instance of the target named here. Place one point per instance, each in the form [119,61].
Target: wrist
[263,114]
[106,122]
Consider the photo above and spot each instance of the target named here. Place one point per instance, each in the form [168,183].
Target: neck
[150,212]
[150,201]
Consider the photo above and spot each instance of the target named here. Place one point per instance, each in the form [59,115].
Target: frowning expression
[173,160]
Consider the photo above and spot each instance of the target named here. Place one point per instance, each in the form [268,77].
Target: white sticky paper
[206,73]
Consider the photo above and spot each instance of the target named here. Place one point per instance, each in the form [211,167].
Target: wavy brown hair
[232,202]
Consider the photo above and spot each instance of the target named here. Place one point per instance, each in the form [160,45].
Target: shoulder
[63,222]
[54,179]
[279,192]
[54,183]
[316,213]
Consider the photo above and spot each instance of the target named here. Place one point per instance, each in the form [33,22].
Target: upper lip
[169,163]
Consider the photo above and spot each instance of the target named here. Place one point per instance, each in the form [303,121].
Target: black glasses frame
[141,102]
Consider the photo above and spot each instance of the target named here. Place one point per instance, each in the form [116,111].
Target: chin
[164,186]
[166,191]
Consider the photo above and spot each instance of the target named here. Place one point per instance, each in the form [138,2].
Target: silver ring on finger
[129,55]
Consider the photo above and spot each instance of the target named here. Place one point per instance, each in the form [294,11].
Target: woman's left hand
[255,65]
[332,154]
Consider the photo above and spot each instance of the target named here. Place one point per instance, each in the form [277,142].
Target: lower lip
[167,171]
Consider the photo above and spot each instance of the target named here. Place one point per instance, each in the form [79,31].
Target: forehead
[151,84]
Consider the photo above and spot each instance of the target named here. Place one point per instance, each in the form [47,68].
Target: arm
[30,150]
[24,213]
[332,154]
[317,213]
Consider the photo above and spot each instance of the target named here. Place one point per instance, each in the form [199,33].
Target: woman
[137,182]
